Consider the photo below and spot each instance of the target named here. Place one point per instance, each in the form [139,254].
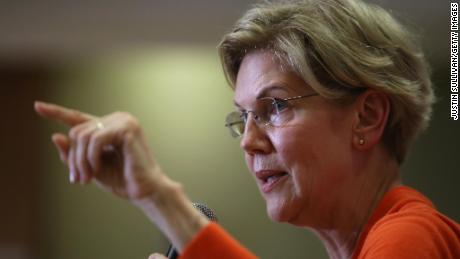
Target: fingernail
[39,103]
[72,177]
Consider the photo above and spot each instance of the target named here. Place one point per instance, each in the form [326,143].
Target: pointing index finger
[64,115]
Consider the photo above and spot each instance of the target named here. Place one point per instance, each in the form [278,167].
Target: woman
[330,95]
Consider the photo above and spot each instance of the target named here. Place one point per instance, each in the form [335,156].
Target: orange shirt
[214,243]
[405,224]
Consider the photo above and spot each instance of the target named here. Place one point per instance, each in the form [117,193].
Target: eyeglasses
[268,111]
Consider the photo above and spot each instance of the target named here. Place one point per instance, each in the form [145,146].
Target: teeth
[271,178]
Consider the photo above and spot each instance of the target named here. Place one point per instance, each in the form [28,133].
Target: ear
[372,109]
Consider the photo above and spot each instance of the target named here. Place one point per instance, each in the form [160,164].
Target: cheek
[315,152]
[298,146]
[298,151]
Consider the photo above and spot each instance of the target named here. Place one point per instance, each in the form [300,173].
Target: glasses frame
[258,121]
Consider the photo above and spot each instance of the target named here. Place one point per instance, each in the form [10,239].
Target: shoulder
[420,232]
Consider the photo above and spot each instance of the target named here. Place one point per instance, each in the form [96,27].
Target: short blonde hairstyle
[339,47]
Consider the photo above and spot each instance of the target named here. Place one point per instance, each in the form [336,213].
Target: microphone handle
[172,253]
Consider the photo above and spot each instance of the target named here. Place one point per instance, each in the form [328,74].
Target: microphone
[172,252]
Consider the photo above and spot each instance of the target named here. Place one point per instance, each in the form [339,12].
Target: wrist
[170,209]
[162,190]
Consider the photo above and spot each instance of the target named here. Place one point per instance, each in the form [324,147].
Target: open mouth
[269,179]
[275,177]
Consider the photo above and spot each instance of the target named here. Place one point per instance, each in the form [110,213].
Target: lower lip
[269,186]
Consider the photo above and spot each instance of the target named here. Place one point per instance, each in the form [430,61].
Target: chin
[287,211]
[277,212]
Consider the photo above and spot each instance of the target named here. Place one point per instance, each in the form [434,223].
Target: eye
[279,105]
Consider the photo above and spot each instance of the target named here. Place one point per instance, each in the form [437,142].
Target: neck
[375,178]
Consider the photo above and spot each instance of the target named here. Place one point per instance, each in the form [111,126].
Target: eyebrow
[265,92]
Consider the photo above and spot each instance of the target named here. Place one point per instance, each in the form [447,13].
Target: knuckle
[75,113]
[121,114]
[130,121]
[133,123]
[84,136]
[73,133]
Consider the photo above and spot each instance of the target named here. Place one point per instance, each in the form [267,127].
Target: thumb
[157,256]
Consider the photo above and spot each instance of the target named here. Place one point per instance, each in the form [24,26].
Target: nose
[255,140]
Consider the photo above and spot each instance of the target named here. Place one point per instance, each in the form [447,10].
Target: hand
[111,149]
[157,256]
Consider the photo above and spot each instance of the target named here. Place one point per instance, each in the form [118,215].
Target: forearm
[171,210]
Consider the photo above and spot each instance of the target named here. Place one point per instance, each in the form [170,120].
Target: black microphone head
[209,213]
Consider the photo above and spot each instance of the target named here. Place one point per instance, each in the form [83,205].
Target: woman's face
[302,167]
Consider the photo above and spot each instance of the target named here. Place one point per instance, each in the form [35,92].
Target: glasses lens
[235,123]
[273,111]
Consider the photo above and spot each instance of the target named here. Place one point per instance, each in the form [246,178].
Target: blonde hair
[339,47]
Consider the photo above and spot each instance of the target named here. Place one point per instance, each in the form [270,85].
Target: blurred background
[158,61]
